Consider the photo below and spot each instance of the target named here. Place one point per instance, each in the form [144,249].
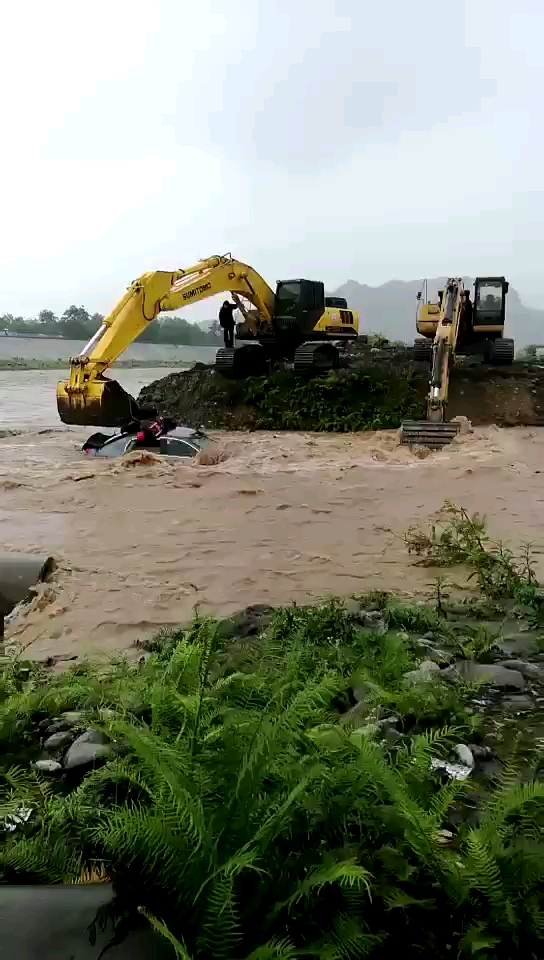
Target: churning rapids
[283,518]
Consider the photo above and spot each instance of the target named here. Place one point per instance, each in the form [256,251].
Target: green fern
[250,817]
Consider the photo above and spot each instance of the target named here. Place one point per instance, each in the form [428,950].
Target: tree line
[76,323]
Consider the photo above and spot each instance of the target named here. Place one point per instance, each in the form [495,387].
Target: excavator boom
[434,432]
[87,397]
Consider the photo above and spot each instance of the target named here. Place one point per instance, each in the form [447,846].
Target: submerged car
[159,435]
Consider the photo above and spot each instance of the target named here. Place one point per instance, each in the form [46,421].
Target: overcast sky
[333,139]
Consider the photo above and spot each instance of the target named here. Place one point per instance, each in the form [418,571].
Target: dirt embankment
[513,396]
[378,393]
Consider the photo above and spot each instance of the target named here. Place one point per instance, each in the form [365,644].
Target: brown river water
[284,518]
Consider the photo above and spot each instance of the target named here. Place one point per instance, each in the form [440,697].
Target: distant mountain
[391,310]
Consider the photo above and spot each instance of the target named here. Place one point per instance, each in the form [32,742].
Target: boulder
[531,671]
[489,673]
[87,749]
[464,754]
[428,670]
[47,766]
[58,741]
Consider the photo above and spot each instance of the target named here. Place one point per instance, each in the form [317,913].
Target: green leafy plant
[252,814]
[351,400]
[459,538]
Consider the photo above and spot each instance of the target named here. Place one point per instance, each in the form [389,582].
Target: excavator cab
[299,305]
[490,303]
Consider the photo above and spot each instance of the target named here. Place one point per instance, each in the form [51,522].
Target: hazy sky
[331,139]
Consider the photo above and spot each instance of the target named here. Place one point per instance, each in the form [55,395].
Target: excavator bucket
[428,433]
[99,403]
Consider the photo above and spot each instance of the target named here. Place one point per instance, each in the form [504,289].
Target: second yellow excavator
[455,327]
[297,323]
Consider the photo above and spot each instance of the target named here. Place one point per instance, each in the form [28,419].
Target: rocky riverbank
[383,748]
[378,390]
[364,743]
[492,663]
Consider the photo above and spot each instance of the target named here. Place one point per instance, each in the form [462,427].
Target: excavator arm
[444,345]
[89,398]
[434,432]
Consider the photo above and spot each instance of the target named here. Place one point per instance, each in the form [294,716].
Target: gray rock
[480,752]
[433,652]
[58,741]
[91,746]
[389,722]
[251,620]
[388,729]
[47,766]
[531,671]
[44,724]
[57,726]
[464,754]
[352,607]
[458,771]
[360,692]
[357,715]
[85,754]
[428,670]
[373,619]
[248,622]
[429,666]
[521,645]
[517,704]
[91,735]
[491,769]
[73,717]
[373,615]
[489,673]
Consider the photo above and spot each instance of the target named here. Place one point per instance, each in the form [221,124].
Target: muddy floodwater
[285,517]
[27,397]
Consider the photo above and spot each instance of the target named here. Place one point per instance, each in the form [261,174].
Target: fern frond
[345,873]
[39,859]
[478,939]
[509,800]
[274,950]
[347,940]
[482,871]
[170,768]
[220,930]
[179,948]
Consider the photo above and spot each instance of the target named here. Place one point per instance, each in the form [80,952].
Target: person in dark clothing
[468,311]
[226,322]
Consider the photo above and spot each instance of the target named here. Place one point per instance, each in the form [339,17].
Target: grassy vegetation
[344,400]
[456,538]
[354,400]
[272,795]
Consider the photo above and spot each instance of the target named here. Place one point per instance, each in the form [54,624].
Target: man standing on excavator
[226,321]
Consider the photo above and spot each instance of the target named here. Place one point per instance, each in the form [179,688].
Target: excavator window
[294,296]
[489,297]
[288,298]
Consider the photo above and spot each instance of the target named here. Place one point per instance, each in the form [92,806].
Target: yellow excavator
[297,323]
[456,326]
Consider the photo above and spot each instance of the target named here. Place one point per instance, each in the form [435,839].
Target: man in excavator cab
[226,322]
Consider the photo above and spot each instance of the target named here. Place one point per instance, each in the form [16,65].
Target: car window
[116,447]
